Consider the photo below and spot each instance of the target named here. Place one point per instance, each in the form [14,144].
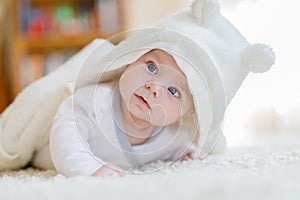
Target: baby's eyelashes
[174,91]
[152,68]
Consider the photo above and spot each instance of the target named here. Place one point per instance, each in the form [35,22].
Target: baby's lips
[144,100]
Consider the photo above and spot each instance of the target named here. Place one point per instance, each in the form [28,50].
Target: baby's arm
[70,150]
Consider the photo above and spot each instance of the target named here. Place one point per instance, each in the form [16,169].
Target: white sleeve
[69,148]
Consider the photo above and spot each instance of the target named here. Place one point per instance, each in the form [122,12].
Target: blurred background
[37,36]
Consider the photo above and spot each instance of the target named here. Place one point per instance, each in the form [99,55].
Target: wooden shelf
[24,43]
[50,43]
[51,3]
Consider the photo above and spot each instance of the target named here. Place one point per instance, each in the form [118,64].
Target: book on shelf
[71,19]
[108,15]
[60,18]
[37,65]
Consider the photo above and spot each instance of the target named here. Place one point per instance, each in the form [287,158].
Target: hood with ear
[211,52]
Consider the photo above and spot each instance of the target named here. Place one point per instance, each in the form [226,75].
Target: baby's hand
[109,170]
[193,155]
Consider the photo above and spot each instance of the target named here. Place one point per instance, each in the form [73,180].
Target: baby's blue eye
[152,68]
[173,91]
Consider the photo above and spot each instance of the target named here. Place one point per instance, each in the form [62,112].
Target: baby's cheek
[173,112]
[166,112]
[159,115]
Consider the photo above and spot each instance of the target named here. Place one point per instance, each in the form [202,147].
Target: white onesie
[87,132]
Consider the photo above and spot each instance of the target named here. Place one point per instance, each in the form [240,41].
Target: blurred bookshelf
[45,33]
[4,93]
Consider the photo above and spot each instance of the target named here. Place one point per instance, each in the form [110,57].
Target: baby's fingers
[118,173]
[187,156]
[109,170]
[194,155]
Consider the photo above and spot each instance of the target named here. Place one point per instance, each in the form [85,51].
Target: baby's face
[155,90]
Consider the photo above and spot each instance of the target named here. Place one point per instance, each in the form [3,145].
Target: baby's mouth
[142,101]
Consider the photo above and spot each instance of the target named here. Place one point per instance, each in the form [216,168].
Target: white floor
[268,172]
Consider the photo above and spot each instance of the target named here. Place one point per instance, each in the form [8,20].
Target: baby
[150,97]
[159,94]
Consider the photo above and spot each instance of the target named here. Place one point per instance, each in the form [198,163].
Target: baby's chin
[148,120]
[162,122]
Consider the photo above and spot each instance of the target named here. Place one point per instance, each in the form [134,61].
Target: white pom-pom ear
[205,10]
[258,57]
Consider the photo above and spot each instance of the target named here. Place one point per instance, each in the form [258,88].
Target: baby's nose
[155,88]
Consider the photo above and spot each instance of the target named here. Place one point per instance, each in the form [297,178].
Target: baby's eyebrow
[153,58]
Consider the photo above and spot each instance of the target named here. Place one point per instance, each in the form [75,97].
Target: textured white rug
[241,173]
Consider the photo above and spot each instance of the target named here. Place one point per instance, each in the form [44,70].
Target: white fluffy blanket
[271,172]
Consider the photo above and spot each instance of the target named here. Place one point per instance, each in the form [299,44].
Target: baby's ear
[205,10]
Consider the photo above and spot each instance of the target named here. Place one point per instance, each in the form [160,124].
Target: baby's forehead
[165,59]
